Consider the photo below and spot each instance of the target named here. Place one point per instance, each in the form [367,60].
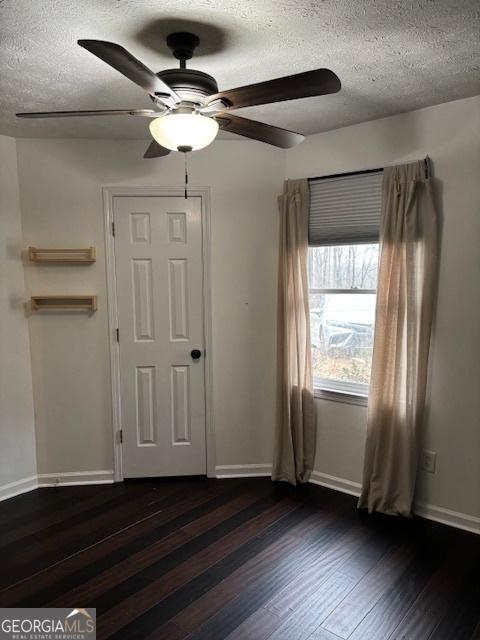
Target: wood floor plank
[196,551]
[53,547]
[351,611]
[94,524]
[138,599]
[135,563]
[257,594]
[257,567]
[438,595]
[390,609]
[205,606]
[170,606]
[80,511]
[261,624]
[295,592]
[323,634]
[307,602]
[55,580]
[238,559]
[307,618]
[23,508]
[463,616]
[22,533]
[168,631]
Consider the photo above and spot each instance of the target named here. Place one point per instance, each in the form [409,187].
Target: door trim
[108,195]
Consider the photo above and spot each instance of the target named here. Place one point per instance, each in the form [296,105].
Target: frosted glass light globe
[184,129]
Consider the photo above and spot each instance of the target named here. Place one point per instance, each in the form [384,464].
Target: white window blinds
[345,209]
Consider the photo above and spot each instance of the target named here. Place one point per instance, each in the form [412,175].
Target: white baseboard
[339,484]
[254,470]
[71,478]
[428,511]
[66,479]
[447,516]
[243,470]
[18,487]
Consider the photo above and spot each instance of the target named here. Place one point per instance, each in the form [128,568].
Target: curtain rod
[348,173]
[363,171]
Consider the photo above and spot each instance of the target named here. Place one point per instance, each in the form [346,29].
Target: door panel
[159,269]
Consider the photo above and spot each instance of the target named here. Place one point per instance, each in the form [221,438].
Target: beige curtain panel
[405,303]
[295,431]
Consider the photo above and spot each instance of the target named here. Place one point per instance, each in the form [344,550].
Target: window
[343,281]
[342,267]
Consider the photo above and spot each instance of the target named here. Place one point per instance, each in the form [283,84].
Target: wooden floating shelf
[64,303]
[75,256]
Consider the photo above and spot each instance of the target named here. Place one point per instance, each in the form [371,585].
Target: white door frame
[108,195]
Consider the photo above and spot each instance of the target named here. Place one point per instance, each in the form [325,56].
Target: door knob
[196,353]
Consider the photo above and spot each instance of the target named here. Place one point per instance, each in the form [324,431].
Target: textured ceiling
[391,56]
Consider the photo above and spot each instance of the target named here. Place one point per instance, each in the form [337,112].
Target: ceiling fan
[189,109]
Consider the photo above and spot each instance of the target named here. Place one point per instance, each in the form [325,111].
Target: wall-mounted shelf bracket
[74,256]
[64,303]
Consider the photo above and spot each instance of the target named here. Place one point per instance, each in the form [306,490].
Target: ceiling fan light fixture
[177,130]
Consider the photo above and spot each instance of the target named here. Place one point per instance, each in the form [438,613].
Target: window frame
[329,388]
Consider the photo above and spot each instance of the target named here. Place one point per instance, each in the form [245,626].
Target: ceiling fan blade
[146,113]
[156,150]
[301,85]
[258,131]
[123,61]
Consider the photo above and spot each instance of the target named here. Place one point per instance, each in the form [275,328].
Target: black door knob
[196,353]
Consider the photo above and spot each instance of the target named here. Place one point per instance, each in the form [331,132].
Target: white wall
[17,439]
[450,135]
[61,198]
[60,185]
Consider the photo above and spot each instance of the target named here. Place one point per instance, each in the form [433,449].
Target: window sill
[341,396]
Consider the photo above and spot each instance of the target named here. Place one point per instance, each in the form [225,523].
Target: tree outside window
[343,282]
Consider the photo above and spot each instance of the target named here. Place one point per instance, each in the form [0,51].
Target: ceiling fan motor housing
[183,44]
[190,84]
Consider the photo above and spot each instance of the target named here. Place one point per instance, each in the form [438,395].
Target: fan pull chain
[185,149]
[186,176]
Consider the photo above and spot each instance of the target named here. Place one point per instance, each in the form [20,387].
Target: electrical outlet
[429,460]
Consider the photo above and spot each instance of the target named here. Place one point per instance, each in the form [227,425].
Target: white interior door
[159,270]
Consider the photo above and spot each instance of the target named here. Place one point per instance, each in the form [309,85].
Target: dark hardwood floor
[240,559]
